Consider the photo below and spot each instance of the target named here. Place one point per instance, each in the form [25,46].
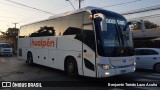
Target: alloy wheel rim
[158,68]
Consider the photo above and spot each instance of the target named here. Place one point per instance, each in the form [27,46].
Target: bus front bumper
[115,71]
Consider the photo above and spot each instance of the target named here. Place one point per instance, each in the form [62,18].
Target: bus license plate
[123,71]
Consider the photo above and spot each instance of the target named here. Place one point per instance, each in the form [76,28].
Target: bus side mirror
[137,25]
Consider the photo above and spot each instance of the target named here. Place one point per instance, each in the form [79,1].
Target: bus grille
[124,66]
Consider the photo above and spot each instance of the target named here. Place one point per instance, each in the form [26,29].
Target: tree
[11,36]
[148,25]
[0,36]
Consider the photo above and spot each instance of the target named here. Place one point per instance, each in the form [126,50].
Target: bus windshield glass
[114,39]
[115,35]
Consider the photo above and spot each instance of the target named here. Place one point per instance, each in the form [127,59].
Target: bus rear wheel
[29,59]
[71,67]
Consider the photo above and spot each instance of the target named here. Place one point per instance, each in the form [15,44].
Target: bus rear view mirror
[137,25]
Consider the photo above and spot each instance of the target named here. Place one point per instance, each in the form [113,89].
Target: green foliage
[11,36]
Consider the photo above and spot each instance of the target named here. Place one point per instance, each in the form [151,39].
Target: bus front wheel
[71,67]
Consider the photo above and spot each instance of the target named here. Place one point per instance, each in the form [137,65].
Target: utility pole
[15,25]
[80,3]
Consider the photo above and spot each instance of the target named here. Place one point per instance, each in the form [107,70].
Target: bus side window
[44,31]
[72,31]
[89,36]
[72,24]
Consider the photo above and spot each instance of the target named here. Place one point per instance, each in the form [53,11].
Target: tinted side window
[146,52]
[72,24]
[44,31]
[56,23]
[150,52]
[72,31]
[25,31]
[138,52]
[89,37]
[44,28]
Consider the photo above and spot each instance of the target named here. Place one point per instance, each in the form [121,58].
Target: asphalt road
[12,69]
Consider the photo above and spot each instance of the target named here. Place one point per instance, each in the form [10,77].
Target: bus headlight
[104,66]
[107,73]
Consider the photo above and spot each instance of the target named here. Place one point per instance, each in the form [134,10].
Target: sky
[12,13]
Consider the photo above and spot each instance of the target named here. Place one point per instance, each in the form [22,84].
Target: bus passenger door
[89,60]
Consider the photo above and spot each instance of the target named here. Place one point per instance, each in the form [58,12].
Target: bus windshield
[115,35]
[114,39]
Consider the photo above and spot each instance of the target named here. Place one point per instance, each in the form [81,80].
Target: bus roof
[88,9]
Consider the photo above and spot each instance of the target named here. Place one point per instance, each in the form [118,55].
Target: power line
[61,6]
[7,21]
[11,12]
[29,7]
[149,16]
[71,4]
[10,4]
[151,8]
[121,3]
[58,6]
[7,17]
[54,9]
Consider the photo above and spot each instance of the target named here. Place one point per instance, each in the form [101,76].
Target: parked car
[6,49]
[148,58]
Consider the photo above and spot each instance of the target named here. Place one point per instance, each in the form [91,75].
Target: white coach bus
[90,42]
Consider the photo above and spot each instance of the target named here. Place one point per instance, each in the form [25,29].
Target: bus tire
[157,67]
[71,67]
[29,59]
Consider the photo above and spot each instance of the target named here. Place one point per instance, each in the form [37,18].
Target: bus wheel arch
[29,58]
[70,66]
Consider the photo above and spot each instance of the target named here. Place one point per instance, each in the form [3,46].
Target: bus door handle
[85,51]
